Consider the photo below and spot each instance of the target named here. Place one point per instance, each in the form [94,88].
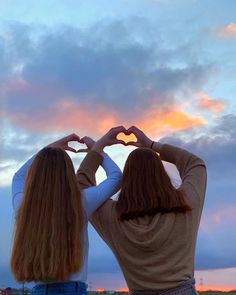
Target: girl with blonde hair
[52,209]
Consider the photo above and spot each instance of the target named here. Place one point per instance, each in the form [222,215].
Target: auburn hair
[146,188]
[48,239]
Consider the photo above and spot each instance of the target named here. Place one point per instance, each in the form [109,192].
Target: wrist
[149,143]
[98,146]
[51,145]
[152,145]
[157,146]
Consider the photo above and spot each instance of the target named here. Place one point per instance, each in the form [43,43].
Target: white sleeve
[18,183]
[95,196]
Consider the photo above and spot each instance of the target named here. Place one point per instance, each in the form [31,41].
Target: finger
[68,148]
[83,151]
[134,129]
[119,141]
[118,129]
[127,132]
[73,137]
[82,140]
[133,143]
[85,138]
[89,142]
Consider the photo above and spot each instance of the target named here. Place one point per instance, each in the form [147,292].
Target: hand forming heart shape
[77,145]
[127,137]
[116,135]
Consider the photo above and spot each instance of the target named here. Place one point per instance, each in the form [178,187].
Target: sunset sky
[167,66]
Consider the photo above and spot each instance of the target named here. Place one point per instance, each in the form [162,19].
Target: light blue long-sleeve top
[93,197]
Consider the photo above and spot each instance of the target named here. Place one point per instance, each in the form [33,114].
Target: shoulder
[106,211]
[107,207]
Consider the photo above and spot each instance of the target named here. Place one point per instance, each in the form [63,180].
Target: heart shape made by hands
[127,137]
[77,145]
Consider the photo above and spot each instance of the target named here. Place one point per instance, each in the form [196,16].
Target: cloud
[66,115]
[157,121]
[6,169]
[220,216]
[227,32]
[105,79]
[206,102]
[216,145]
[88,81]
[96,119]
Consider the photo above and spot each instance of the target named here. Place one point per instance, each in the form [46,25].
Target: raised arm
[20,176]
[96,195]
[184,160]
[88,168]
[192,169]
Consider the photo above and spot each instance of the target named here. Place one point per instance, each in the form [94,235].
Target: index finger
[118,129]
[72,137]
[134,130]
[68,148]
[133,143]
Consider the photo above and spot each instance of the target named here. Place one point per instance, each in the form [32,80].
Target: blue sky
[85,66]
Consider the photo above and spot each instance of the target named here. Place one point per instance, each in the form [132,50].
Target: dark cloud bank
[102,65]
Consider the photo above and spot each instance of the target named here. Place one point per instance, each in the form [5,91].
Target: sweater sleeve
[95,196]
[18,183]
[101,219]
[192,171]
[87,169]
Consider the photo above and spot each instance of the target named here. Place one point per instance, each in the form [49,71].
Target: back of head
[48,232]
[146,187]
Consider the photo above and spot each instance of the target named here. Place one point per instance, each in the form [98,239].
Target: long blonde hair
[48,238]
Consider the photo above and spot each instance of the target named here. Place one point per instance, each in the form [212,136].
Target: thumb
[68,148]
[82,151]
[119,141]
[133,143]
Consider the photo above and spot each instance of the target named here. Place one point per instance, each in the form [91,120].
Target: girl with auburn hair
[141,192]
[152,227]
[50,244]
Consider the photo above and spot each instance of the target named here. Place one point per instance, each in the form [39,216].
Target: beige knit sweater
[158,252]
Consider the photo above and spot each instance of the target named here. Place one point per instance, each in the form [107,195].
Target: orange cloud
[208,103]
[155,122]
[66,116]
[70,116]
[93,119]
[227,32]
